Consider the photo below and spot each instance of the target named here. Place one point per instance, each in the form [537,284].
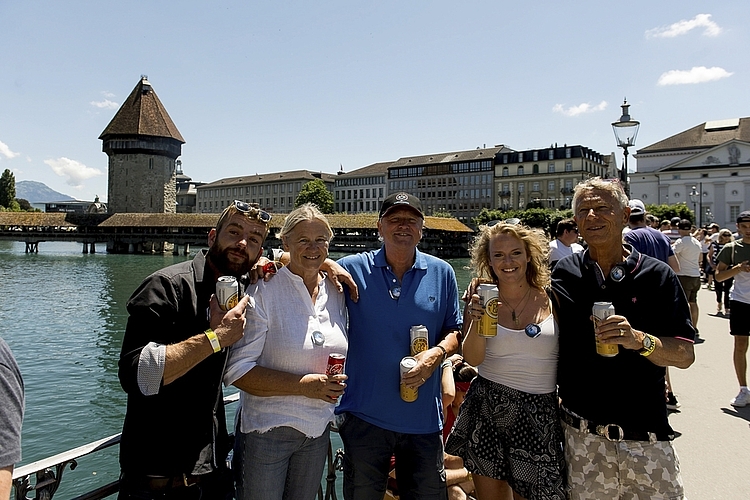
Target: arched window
[535,168]
[520,170]
[505,171]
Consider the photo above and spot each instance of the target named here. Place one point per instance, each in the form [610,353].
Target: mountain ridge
[39,192]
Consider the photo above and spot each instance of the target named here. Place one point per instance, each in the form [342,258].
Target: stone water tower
[142,143]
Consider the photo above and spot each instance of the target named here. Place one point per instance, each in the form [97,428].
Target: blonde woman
[508,431]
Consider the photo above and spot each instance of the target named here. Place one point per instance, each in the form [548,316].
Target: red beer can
[335,364]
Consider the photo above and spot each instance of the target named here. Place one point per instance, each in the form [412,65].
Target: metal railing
[47,473]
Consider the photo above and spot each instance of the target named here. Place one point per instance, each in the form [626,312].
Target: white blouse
[280,321]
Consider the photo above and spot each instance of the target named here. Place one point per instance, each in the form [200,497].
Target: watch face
[647,342]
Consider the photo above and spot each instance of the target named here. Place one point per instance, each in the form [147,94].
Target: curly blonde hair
[534,241]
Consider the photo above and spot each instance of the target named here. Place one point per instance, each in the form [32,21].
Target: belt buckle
[603,430]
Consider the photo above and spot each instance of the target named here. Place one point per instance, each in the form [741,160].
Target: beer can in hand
[418,335]
[408,394]
[335,364]
[488,297]
[227,292]
[602,311]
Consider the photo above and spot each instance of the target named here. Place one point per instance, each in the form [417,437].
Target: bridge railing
[47,474]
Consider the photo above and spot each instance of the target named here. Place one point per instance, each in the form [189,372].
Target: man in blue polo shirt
[399,287]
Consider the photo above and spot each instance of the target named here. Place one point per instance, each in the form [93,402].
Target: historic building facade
[361,190]
[142,144]
[713,158]
[274,192]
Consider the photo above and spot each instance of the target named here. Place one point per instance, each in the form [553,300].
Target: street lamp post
[625,131]
[694,198]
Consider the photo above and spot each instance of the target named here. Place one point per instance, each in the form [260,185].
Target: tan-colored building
[275,192]
[713,158]
[546,177]
[361,190]
[142,144]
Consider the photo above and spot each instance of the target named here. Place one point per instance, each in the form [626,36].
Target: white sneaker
[742,399]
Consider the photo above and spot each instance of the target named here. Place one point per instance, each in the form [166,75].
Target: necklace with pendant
[514,317]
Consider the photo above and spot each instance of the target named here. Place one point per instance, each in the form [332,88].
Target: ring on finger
[622,332]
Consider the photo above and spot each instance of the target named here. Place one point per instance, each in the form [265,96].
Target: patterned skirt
[506,434]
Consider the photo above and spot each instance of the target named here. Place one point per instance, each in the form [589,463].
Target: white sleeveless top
[523,363]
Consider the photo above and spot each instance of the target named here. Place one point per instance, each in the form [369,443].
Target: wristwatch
[649,344]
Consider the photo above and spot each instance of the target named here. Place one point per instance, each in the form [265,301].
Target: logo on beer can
[408,394]
[418,334]
[488,298]
[335,364]
[602,311]
[227,292]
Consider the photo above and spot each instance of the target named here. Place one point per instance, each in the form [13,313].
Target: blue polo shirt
[379,338]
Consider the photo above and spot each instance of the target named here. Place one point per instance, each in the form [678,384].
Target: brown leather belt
[612,432]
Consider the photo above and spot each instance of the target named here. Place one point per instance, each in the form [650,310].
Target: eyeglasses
[252,211]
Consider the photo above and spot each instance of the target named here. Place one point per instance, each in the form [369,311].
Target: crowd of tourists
[523,409]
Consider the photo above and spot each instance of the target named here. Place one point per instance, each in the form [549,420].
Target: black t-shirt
[627,389]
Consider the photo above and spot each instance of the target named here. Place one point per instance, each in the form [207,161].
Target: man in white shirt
[688,252]
[565,242]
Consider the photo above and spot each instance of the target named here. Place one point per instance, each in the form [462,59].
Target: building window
[551,168]
[535,156]
[535,186]
[567,153]
[535,168]
[520,170]
[551,155]
[520,157]
[734,212]
[505,171]
[521,187]
[568,166]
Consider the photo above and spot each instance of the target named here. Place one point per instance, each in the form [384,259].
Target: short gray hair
[611,186]
[305,212]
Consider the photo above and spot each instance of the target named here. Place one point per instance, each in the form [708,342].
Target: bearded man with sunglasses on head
[174,438]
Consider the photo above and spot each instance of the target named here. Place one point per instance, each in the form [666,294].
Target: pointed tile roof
[142,113]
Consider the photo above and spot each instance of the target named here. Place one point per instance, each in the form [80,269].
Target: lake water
[63,314]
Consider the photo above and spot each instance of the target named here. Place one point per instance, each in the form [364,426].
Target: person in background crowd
[722,287]
[653,221]
[174,440]
[11,417]
[565,242]
[457,477]
[399,287]
[664,226]
[647,240]
[701,235]
[294,322]
[618,438]
[673,232]
[688,251]
[734,262]
[508,431]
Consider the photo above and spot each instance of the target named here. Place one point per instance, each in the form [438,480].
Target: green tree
[442,213]
[543,218]
[316,192]
[665,211]
[25,205]
[7,188]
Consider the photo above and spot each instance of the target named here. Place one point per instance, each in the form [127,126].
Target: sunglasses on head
[252,211]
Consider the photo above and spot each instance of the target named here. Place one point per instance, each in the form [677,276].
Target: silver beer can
[418,334]
[227,292]
[602,311]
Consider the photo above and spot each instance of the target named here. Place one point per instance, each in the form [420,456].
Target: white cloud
[580,109]
[108,95]
[698,74]
[685,26]
[106,104]
[75,171]
[5,151]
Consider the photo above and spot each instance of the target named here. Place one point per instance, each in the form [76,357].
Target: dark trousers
[367,461]
[214,486]
[722,289]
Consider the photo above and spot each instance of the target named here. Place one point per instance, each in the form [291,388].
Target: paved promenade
[713,440]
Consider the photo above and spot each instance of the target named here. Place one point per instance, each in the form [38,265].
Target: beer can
[335,364]
[227,292]
[408,394]
[602,311]
[418,335]
[488,298]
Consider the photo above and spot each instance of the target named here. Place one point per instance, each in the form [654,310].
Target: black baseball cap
[401,200]
[685,225]
[744,216]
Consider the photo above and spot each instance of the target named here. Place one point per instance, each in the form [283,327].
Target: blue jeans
[367,461]
[279,464]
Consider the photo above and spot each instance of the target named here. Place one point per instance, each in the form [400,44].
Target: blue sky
[268,86]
